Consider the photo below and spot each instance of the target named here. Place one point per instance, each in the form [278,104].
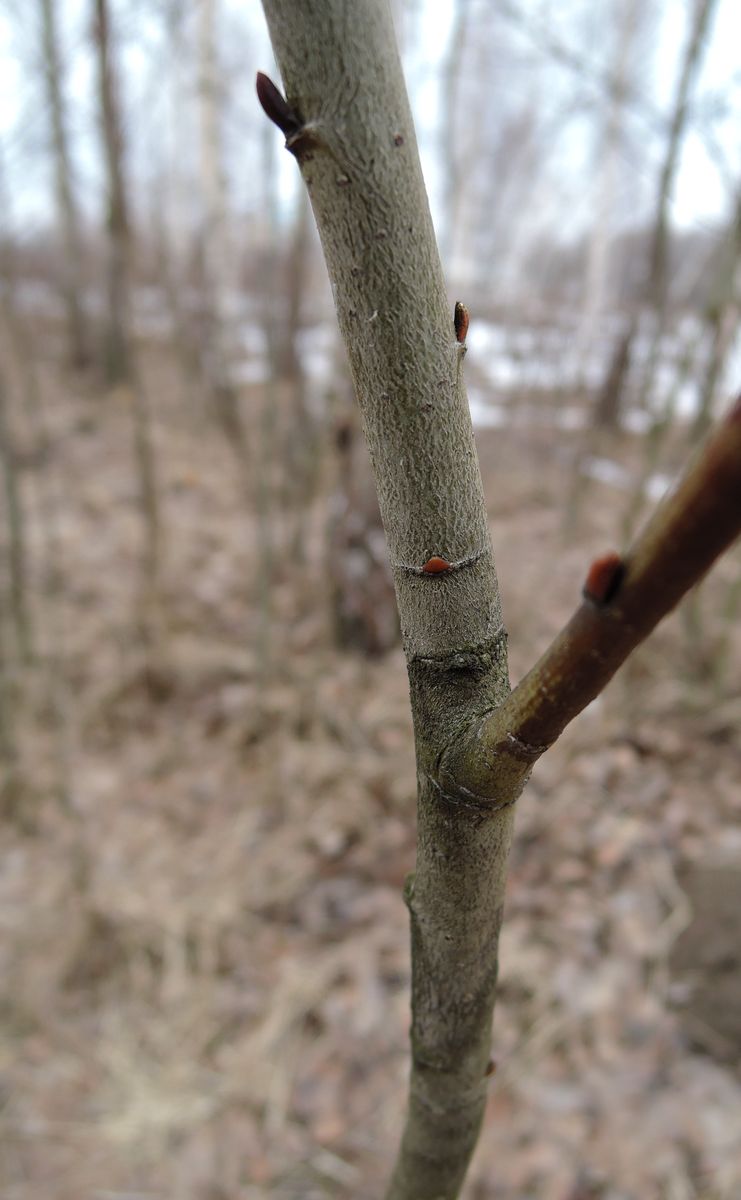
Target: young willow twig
[624,598]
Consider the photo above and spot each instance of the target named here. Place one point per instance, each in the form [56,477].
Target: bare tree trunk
[356,143]
[216,245]
[656,284]
[360,585]
[117,351]
[8,737]
[303,434]
[347,121]
[171,223]
[23,351]
[120,361]
[16,537]
[722,319]
[66,205]
[450,156]
[49,620]
[598,262]
[609,398]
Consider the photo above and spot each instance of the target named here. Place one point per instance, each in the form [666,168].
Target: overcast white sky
[701,195]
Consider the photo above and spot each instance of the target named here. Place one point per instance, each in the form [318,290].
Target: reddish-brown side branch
[624,599]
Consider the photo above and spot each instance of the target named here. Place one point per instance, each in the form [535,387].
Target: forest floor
[207,814]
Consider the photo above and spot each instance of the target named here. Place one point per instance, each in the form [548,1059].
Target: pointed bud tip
[275,106]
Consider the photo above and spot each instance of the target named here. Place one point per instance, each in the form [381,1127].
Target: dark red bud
[276,106]
[604,578]
[436,565]
[460,321]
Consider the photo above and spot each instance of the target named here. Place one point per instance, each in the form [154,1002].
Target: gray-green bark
[347,121]
[359,160]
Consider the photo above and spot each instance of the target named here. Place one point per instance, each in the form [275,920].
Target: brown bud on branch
[276,106]
[460,321]
[603,578]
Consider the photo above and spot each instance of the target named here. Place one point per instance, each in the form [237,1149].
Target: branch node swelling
[436,564]
[299,135]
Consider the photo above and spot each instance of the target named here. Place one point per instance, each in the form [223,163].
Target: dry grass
[204,947]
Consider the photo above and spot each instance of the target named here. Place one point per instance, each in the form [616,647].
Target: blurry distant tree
[450,131]
[171,204]
[722,313]
[220,278]
[120,362]
[66,205]
[20,340]
[490,131]
[655,291]
[117,349]
[347,121]
[627,15]
[362,607]
[15,538]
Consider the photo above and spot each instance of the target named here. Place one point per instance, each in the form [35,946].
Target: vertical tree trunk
[20,342]
[302,441]
[16,537]
[117,349]
[66,205]
[722,318]
[656,282]
[360,588]
[172,213]
[598,261]
[216,246]
[450,155]
[119,354]
[357,151]
[48,616]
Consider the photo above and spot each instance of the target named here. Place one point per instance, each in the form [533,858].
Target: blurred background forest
[206,775]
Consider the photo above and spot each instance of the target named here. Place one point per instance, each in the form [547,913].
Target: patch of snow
[657,486]
[484,414]
[636,420]
[251,370]
[604,470]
